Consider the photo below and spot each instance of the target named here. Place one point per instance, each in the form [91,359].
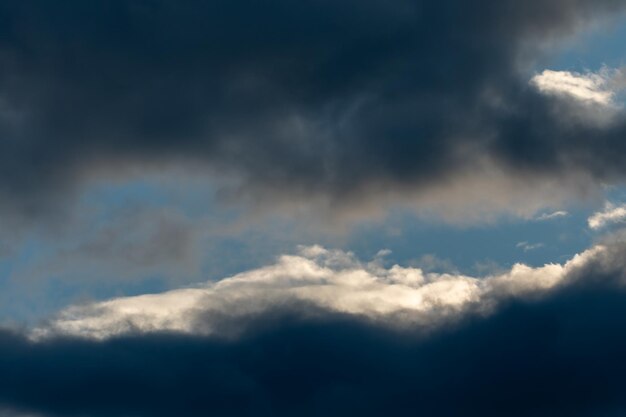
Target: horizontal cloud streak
[594,88]
[328,280]
[551,216]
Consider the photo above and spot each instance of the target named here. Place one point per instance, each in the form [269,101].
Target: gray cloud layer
[315,97]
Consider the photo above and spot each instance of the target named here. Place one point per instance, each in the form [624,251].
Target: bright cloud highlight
[610,215]
[330,280]
[591,87]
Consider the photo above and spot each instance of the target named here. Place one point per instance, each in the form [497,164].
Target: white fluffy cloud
[590,87]
[331,280]
[611,214]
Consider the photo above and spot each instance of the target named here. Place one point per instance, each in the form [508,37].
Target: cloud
[593,88]
[343,103]
[527,247]
[527,358]
[552,216]
[611,214]
[329,280]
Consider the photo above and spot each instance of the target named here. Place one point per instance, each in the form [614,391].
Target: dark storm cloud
[560,355]
[316,95]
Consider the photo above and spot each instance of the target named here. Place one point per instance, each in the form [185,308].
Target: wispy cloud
[591,87]
[551,216]
[527,247]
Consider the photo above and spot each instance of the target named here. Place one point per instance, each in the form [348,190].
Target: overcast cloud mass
[312,208]
[319,99]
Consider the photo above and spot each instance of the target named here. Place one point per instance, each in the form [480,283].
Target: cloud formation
[351,106]
[328,280]
[552,216]
[594,88]
[527,246]
[610,215]
[555,355]
[340,102]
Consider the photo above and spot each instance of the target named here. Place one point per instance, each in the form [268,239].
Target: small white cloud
[527,247]
[383,252]
[590,87]
[610,215]
[552,216]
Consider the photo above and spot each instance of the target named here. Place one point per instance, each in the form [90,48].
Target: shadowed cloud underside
[340,102]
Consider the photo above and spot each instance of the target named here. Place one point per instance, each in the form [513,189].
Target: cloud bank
[558,354]
[310,101]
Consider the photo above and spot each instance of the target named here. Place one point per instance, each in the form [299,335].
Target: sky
[313,208]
